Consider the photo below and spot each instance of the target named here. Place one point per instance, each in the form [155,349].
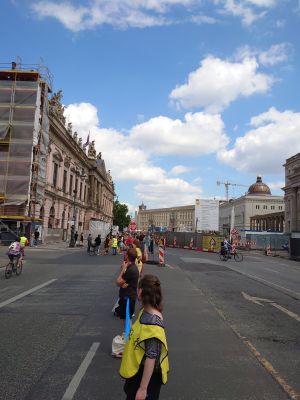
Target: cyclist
[15,251]
[227,246]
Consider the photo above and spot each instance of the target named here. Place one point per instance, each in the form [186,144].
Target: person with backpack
[15,250]
[97,244]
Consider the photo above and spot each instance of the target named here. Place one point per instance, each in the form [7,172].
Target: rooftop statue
[56,107]
[80,142]
[99,156]
[75,136]
[92,151]
[69,128]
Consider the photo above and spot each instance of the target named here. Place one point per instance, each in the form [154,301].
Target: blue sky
[177,94]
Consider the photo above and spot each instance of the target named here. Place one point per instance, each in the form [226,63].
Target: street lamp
[73,227]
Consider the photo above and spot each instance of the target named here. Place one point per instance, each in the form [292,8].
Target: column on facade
[294,210]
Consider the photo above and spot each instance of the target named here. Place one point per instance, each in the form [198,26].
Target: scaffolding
[24,138]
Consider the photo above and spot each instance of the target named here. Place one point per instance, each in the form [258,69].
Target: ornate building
[257,210]
[173,219]
[292,194]
[79,191]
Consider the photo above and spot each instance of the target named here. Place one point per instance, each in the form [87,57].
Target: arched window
[63,217]
[51,218]
[42,212]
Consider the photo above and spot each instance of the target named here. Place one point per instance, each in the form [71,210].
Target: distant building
[292,194]
[257,210]
[173,219]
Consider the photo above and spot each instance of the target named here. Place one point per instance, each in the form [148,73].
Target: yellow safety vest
[23,240]
[135,349]
[114,242]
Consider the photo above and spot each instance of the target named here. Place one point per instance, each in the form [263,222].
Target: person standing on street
[97,244]
[145,362]
[75,238]
[81,239]
[114,245]
[36,237]
[89,242]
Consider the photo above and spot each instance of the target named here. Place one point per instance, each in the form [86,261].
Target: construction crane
[227,184]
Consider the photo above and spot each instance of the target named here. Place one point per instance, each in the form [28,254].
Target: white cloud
[275,54]
[274,138]
[276,186]
[167,193]
[129,162]
[203,19]
[243,9]
[199,133]
[144,13]
[120,13]
[217,83]
[178,170]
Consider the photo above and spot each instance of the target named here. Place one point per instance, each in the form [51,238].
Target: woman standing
[145,362]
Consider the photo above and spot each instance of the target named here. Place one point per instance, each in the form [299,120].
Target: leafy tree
[120,215]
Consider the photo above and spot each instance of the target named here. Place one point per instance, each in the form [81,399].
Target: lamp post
[73,227]
[196,224]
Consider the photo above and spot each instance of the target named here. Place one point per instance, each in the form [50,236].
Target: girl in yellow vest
[145,362]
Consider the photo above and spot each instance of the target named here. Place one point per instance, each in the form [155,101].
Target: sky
[177,94]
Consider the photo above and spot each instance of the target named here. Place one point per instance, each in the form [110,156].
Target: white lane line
[75,382]
[21,295]
[288,312]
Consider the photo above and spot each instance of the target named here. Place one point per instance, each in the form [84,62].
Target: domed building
[257,210]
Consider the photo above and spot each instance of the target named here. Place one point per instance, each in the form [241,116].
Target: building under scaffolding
[24,137]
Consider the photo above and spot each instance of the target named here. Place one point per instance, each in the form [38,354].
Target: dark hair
[131,254]
[151,291]
[136,242]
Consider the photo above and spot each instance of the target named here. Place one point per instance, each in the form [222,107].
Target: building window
[279,207]
[257,206]
[64,188]
[71,185]
[265,207]
[76,186]
[51,218]
[80,191]
[55,173]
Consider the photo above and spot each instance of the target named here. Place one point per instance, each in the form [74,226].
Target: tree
[120,215]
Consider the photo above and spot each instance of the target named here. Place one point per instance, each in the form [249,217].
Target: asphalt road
[56,327]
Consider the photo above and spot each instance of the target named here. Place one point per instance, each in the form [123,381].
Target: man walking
[114,245]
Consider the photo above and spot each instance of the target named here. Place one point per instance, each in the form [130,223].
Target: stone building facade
[257,210]
[79,191]
[173,219]
[292,194]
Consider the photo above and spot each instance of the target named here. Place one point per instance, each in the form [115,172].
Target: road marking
[258,300]
[21,295]
[75,382]
[269,367]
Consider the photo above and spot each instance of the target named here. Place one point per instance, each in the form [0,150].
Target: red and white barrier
[268,251]
[161,256]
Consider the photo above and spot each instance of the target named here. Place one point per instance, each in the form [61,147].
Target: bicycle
[14,266]
[226,255]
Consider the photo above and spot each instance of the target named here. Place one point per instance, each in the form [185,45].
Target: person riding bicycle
[15,250]
[227,246]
